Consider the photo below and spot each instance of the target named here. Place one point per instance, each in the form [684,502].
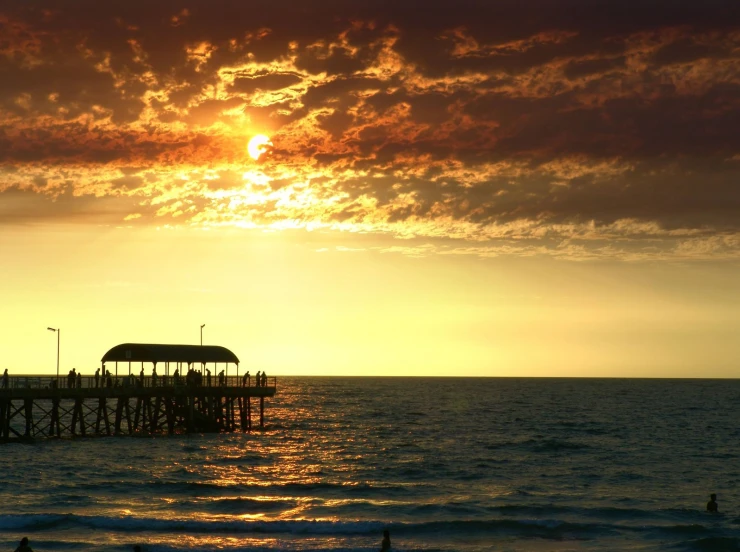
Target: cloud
[276,81]
[566,129]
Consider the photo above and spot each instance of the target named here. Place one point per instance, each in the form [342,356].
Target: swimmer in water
[385,546]
[712,504]
[23,546]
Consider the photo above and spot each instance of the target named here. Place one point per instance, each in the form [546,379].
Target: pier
[185,398]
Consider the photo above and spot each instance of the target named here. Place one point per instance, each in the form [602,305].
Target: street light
[201,334]
[58,331]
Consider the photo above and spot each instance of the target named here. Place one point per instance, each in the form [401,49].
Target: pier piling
[32,407]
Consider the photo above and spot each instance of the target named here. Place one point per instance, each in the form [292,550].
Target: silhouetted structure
[37,406]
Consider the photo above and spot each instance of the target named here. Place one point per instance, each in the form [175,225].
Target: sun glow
[258,145]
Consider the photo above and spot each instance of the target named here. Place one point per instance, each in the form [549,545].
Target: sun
[258,145]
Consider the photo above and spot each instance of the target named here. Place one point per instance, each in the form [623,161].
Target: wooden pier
[29,411]
[46,406]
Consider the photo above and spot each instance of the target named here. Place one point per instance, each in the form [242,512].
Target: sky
[469,188]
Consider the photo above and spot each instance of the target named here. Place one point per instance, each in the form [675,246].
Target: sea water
[445,464]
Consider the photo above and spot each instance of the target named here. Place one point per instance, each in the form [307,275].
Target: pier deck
[46,406]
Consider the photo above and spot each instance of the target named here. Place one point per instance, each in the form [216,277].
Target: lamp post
[201,334]
[58,331]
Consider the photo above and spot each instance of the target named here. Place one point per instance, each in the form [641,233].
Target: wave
[539,445]
[240,505]
[713,544]
[542,528]
[553,445]
[130,524]
[609,513]
[177,490]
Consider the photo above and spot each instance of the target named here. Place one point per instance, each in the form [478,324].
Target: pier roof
[152,352]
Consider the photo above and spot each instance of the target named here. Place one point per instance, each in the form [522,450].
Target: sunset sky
[491,188]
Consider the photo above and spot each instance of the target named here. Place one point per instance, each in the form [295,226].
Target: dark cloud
[672,124]
[686,50]
[587,67]
[275,81]
[336,123]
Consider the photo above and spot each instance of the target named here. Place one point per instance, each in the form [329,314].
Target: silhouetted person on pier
[141,377]
[154,376]
[221,378]
[189,377]
[208,377]
[386,544]
[71,379]
[79,380]
[712,504]
[108,379]
[264,379]
[97,377]
[257,379]
[23,546]
[245,380]
[5,379]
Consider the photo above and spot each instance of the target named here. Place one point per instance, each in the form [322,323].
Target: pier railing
[129,381]
[46,406]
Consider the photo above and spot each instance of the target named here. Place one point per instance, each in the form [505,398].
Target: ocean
[445,464]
